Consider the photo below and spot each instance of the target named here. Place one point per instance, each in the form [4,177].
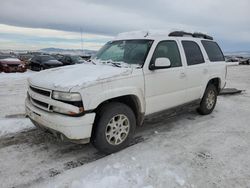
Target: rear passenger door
[197,69]
[165,88]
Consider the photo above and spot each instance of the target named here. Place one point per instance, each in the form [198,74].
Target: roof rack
[195,35]
[179,34]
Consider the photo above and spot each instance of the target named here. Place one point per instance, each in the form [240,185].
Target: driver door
[165,88]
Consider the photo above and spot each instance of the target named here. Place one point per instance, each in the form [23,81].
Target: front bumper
[9,69]
[73,128]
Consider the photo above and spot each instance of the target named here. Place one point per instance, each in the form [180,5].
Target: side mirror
[160,63]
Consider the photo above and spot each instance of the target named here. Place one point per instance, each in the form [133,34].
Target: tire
[41,68]
[31,67]
[114,128]
[35,68]
[208,101]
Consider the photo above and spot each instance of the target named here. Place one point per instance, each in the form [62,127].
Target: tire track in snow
[56,156]
[62,156]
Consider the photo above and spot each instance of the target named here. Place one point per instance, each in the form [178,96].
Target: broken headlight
[74,99]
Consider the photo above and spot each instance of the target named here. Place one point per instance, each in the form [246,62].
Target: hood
[10,61]
[79,75]
[52,62]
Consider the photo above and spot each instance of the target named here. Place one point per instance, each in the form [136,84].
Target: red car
[11,64]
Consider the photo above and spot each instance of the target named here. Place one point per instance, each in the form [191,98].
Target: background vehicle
[11,64]
[129,78]
[71,59]
[41,62]
[58,56]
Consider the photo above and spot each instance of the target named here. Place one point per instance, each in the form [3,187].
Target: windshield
[47,58]
[128,51]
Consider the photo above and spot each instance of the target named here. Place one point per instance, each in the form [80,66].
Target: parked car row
[36,62]
[240,59]
[245,61]
[41,62]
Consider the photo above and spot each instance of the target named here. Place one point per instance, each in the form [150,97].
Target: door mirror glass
[161,63]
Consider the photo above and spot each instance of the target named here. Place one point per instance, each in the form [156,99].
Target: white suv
[131,77]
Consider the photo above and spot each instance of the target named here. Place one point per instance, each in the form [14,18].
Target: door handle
[182,75]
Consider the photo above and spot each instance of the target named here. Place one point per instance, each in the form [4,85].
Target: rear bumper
[73,128]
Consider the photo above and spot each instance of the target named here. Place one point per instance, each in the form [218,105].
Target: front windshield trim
[140,65]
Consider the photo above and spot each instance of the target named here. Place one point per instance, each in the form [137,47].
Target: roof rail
[195,35]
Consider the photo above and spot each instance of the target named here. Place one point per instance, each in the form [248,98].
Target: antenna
[147,33]
[81,41]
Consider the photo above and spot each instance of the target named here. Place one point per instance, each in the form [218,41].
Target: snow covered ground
[187,150]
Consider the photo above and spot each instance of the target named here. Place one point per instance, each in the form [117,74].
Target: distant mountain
[67,51]
[238,53]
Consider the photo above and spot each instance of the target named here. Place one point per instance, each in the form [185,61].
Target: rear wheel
[209,100]
[114,128]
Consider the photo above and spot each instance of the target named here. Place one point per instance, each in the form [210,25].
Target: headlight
[4,65]
[21,65]
[65,111]
[74,99]
[66,96]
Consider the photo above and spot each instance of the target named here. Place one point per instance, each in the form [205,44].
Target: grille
[37,103]
[45,105]
[40,91]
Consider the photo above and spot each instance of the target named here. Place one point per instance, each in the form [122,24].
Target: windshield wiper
[116,64]
[109,62]
[91,61]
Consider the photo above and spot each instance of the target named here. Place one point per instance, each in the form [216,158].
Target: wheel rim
[210,99]
[117,129]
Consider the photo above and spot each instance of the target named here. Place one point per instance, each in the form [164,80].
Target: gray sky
[57,23]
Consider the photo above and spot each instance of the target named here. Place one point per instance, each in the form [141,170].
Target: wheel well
[130,100]
[216,82]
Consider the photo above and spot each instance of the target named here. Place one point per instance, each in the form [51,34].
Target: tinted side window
[213,51]
[168,49]
[193,53]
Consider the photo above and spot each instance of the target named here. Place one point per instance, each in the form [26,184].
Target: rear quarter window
[213,51]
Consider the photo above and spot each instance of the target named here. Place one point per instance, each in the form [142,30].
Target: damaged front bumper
[73,128]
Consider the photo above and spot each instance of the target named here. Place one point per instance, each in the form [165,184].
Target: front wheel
[41,68]
[114,128]
[209,100]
